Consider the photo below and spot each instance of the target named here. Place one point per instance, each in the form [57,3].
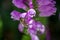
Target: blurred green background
[9,28]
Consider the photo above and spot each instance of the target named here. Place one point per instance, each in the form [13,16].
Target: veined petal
[48,13]
[19,4]
[20,27]
[46,7]
[43,2]
[15,15]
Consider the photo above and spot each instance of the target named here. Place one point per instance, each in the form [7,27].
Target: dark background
[8,28]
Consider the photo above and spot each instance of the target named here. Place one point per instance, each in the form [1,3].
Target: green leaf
[26,37]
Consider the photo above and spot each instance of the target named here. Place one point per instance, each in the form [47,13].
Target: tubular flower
[15,15]
[45,7]
[23,4]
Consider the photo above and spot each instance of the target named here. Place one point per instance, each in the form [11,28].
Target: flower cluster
[45,7]
[28,21]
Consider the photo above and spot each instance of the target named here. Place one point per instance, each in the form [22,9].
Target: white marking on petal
[36,38]
[31,21]
[23,15]
[31,12]
[30,26]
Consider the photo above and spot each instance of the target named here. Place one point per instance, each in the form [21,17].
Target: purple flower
[34,37]
[20,27]
[30,4]
[36,26]
[19,4]
[46,7]
[40,27]
[22,3]
[31,13]
[32,25]
[23,15]
[15,15]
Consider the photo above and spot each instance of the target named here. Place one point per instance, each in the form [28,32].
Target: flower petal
[15,15]
[32,31]
[46,7]
[40,27]
[43,2]
[23,15]
[46,11]
[34,37]
[30,4]
[20,27]
[19,4]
